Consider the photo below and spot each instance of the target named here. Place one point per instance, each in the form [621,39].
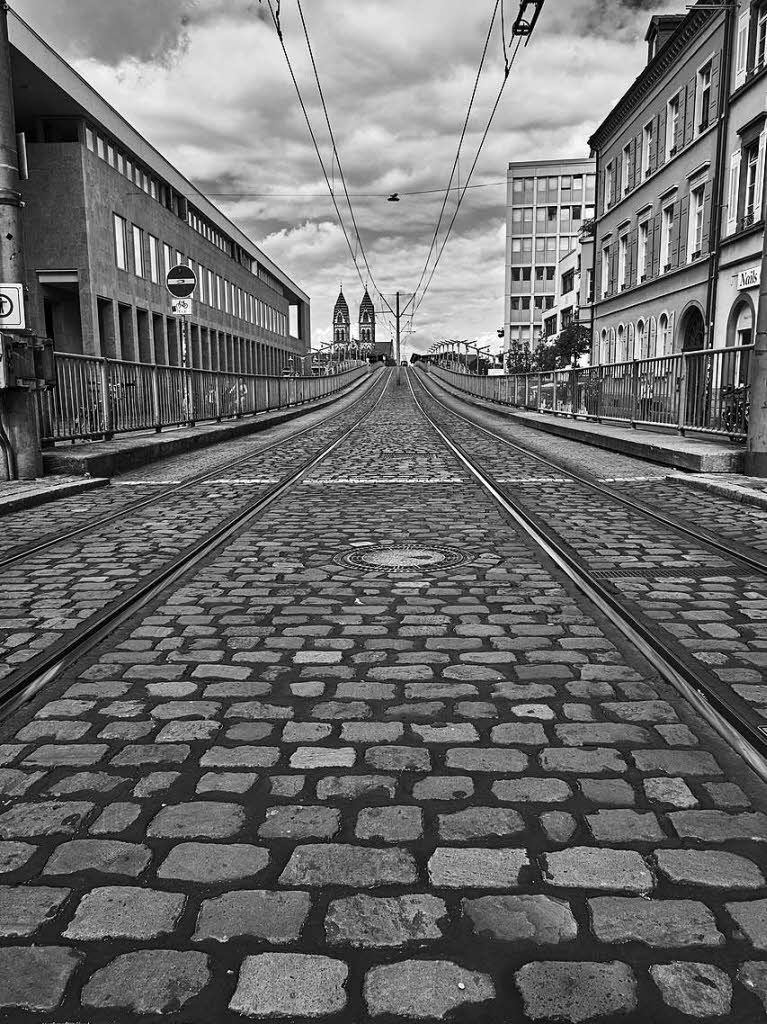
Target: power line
[322,195]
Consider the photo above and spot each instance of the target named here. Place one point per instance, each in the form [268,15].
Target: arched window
[744,326]
[663,339]
[620,352]
[641,345]
[603,348]
[611,347]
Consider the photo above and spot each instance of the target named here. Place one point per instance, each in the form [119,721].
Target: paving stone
[126,730]
[640,710]
[625,826]
[476,868]
[115,818]
[424,709]
[306,732]
[35,977]
[710,868]
[500,761]
[351,787]
[300,822]
[66,709]
[240,757]
[290,985]
[52,755]
[540,919]
[479,823]
[249,732]
[753,975]
[308,758]
[371,922]
[81,782]
[105,856]
[608,734]
[584,762]
[669,791]
[726,795]
[559,826]
[352,866]
[52,729]
[14,856]
[213,862]
[371,732]
[717,826]
[341,710]
[751,919]
[452,732]
[530,790]
[424,989]
[390,824]
[583,867]
[437,691]
[476,709]
[148,981]
[653,922]
[699,990]
[676,762]
[25,908]
[576,991]
[519,734]
[193,731]
[125,912]
[677,735]
[275,917]
[216,820]
[398,759]
[16,783]
[151,753]
[286,785]
[524,692]
[186,709]
[443,787]
[616,792]
[178,688]
[10,752]
[47,818]
[226,782]
[256,709]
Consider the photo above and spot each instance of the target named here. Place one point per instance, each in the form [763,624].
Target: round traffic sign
[181,281]
[6,307]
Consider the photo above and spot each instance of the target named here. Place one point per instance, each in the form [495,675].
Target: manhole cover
[403,558]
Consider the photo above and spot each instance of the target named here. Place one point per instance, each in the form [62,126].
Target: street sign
[181,307]
[12,307]
[181,281]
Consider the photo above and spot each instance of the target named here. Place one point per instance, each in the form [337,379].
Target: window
[568,281]
[703,97]
[90,141]
[640,341]
[121,249]
[623,247]
[179,258]
[761,38]
[667,228]
[642,251]
[167,257]
[752,163]
[605,271]
[138,251]
[100,147]
[210,288]
[110,154]
[154,262]
[625,169]
[672,126]
[589,286]
[695,239]
[662,342]
[647,137]
[608,185]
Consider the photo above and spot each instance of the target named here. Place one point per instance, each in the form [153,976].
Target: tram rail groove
[24,551]
[22,685]
[750,558]
[723,710]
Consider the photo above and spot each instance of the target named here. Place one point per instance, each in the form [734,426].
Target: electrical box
[17,363]
[45,364]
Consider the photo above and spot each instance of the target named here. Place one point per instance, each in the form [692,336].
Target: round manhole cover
[410,558]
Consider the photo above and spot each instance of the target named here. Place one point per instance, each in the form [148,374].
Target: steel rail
[19,687]
[24,551]
[721,710]
[752,561]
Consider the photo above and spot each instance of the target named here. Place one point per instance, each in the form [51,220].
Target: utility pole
[396,347]
[17,411]
[756,443]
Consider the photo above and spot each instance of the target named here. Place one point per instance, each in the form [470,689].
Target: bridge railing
[97,397]
[704,391]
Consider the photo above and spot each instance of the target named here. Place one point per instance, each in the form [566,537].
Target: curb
[43,497]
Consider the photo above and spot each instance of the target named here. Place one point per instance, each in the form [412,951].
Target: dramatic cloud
[206,81]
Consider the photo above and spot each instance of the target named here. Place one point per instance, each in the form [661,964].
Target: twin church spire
[342,323]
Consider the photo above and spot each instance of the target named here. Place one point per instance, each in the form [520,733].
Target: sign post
[181,282]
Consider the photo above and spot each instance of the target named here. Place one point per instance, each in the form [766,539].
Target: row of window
[655,236]
[539,302]
[569,186]
[647,339]
[751,50]
[550,219]
[544,247]
[642,156]
[212,289]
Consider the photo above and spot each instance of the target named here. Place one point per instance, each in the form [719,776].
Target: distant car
[403,362]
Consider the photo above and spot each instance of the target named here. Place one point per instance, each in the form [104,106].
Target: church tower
[341,322]
[367,322]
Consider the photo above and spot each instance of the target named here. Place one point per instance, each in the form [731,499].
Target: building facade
[366,346]
[106,216]
[547,203]
[659,185]
[575,290]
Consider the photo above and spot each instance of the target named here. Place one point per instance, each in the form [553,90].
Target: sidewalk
[747,490]
[696,454]
[17,495]
[129,451]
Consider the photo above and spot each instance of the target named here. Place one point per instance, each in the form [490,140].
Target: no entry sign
[181,281]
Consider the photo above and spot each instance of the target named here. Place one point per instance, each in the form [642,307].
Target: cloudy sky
[207,83]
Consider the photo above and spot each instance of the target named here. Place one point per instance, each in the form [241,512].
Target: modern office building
[547,203]
[660,177]
[574,303]
[105,217]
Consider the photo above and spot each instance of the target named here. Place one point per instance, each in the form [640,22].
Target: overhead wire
[321,195]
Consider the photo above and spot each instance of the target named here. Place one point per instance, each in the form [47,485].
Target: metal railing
[706,390]
[97,398]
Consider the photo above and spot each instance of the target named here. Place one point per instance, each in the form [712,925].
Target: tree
[544,357]
[518,358]
[573,342]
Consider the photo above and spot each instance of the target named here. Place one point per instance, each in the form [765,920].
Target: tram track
[731,716]
[23,551]
[24,683]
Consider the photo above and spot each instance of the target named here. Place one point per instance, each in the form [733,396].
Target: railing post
[156,400]
[189,388]
[634,390]
[239,398]
[681,412]
[573,392]
[106,403]
[540,390]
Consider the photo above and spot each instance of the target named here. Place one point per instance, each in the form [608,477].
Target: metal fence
[97,398]
[705,390]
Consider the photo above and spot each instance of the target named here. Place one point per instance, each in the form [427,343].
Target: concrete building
[575,290]
[742,217]
[547,202]
[659,179]
[107,215]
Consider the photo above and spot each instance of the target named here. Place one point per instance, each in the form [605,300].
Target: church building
[365,345]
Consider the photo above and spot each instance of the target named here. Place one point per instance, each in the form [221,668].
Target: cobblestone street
[376,758]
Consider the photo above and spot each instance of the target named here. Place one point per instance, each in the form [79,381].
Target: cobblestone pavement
[310,784]
[49,593]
